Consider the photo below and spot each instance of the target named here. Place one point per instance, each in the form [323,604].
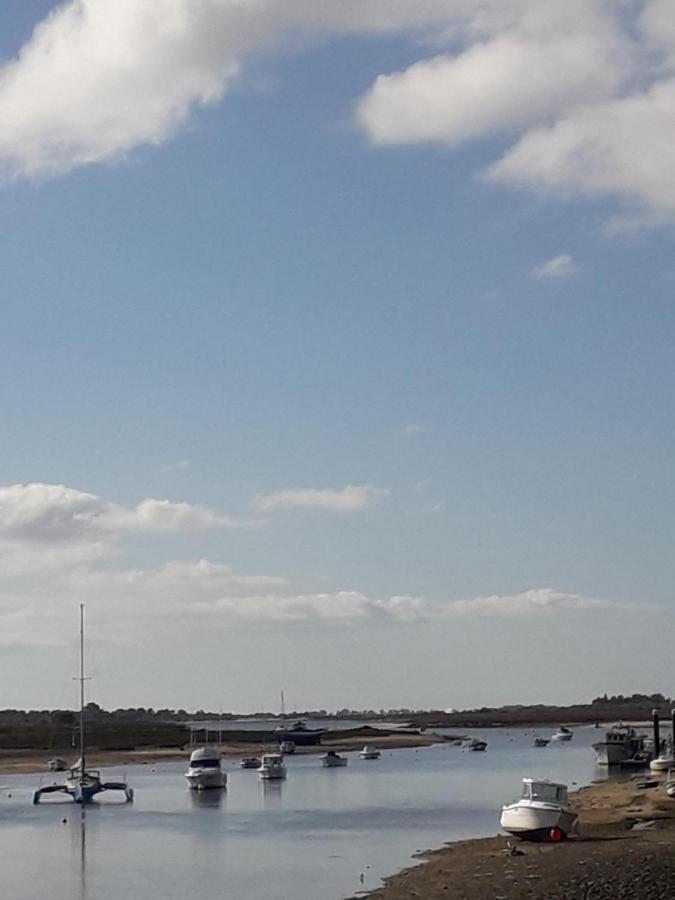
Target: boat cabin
[544,791]
[205,758]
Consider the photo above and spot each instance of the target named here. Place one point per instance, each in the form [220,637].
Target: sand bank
[626,849]
[32,761]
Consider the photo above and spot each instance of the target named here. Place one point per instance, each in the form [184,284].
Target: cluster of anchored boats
[206,771]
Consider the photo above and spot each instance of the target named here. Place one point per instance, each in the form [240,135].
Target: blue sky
[320,377]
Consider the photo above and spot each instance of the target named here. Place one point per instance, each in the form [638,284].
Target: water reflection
[271,793]
[208,799]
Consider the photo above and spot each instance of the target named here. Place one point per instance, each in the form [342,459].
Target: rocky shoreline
[625,849]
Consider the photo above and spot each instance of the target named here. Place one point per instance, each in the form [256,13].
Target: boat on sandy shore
[205,770]
[620,745]
[333,760]
[542,812]
[272,767]
[562,734]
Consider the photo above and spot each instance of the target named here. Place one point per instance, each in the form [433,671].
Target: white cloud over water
[582,91]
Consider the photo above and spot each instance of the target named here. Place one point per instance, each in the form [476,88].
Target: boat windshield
[205,763]
[538,790]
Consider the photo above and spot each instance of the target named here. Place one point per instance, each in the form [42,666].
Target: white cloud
[489,87]
[414,428]
[621,147]
[349,499]
[561,266]
[59,525]
[100,77]
[585,88]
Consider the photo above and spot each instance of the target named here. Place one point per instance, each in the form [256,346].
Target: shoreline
[625,849]
[14,762]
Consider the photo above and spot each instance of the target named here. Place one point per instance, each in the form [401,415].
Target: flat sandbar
[35,761]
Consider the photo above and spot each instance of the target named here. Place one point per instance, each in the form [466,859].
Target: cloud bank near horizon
[582,92]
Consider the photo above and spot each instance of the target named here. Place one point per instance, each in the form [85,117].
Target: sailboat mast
[82,685]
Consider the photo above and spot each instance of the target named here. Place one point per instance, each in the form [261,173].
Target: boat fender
[555,835]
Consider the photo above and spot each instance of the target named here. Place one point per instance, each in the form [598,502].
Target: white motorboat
[663,761]
[542,813]
[621,743]
[272,767]
[476,744]
[369,752]
[562,734]
[205,770]
[250,762]
[332,760]
[287,747]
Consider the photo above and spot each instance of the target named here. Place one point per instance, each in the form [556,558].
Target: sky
[337,351]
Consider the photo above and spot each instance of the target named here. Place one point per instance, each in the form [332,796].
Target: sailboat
[82,784]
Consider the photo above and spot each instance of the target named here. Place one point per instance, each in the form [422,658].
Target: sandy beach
[625,849]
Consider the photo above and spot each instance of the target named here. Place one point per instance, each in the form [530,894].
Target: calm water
[308,838]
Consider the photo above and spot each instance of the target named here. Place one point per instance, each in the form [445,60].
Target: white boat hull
[271,774]
[662,764]
[205,779]
[537,820]
[333,762]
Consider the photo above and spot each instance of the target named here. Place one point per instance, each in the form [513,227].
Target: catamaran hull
[533,823]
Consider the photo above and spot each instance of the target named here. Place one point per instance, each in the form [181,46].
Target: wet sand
[625,849]
[31,761]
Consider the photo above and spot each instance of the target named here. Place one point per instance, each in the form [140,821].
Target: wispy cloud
[348,499]
[414,428]
[562,266]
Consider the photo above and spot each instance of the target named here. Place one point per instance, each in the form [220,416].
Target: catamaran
[83,784]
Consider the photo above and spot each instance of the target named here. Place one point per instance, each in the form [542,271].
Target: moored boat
[541,742]
[83,784]
[205,770]
[272,767]
[542,812]
[332,760]
[562,734]
[620,745]
[250,762]
[287,747]
[369,752]
[476,744]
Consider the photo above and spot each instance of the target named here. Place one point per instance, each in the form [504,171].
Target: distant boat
[621,744]
[476,744]
[562,734]
[333,760]
[542,812]
[250,762]
[272,767]
[57,764]
[300,734]
[82,784]
[205,770]
[369,752]
[541,742]
[287,747]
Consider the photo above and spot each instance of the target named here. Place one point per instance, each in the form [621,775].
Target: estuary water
[323,834]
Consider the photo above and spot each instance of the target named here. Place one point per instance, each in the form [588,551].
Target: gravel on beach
[612,859]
